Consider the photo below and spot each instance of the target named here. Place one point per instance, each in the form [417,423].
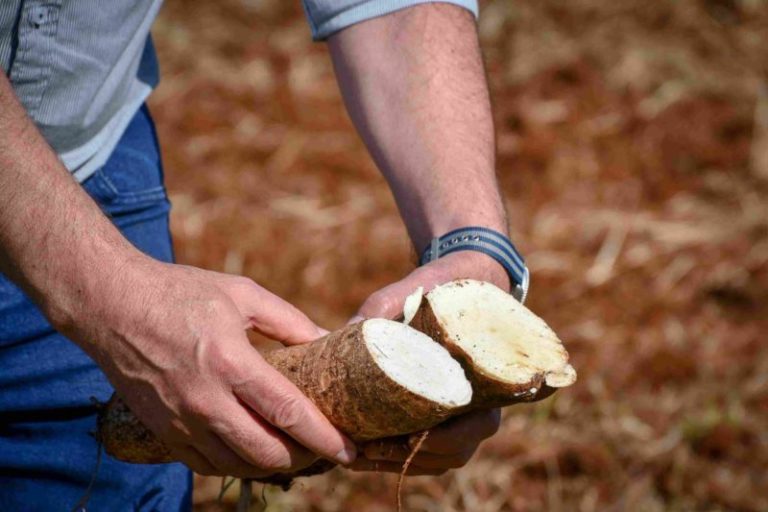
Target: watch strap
[489,242]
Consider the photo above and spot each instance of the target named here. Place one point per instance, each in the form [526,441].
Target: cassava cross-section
[377,378]
[380,378]
[509,354]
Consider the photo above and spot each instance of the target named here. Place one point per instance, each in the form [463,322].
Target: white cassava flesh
[413,360]
[377,378]
[411,305]
[498,340]
[505,338]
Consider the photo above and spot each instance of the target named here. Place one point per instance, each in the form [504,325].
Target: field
[633,157]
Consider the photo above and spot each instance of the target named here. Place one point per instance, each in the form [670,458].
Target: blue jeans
[47,452]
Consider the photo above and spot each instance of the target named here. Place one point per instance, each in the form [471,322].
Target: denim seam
[146,197]
[131,197]
[105,183]
[161,210]
[141,194]
[138,155]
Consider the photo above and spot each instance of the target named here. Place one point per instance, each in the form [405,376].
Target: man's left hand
[452,443]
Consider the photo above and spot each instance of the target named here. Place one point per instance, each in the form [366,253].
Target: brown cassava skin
[126,438]
[341,377]
[336,372]
[487,391]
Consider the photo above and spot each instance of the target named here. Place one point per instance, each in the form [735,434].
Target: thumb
[388,302]
[272,316]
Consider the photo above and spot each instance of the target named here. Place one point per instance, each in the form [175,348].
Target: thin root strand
[406,464]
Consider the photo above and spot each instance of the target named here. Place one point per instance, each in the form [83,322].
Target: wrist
[95,288]
[494,245]
[479,266]
[436,228]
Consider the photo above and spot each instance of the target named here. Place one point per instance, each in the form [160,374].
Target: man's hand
[449,445]
[171,339]
[452,443]
[414,85]
[388,302]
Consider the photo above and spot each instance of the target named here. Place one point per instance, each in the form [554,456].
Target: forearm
[169,338]
[54,240]
[414,84]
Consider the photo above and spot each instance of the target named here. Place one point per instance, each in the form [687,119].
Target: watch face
[487,241]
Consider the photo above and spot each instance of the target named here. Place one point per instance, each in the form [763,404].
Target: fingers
[388,302]
[379,466]
[194,460]
[270,315]
[226,461]
[251,446]
[449,445]
[214,457]
[399,454]
[299,431]
[471,429]
[275,399]
[223,437]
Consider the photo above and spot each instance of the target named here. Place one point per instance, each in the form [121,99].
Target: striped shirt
[82,68]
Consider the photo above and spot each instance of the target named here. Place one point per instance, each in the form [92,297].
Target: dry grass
[633,143]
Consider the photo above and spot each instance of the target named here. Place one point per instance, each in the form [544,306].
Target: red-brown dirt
[633,156]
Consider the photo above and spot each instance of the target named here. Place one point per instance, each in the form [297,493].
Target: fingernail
[347,455]
[322,332]
[355,319]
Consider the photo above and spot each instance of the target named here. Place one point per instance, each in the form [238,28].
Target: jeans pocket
[130,182]
[129,186]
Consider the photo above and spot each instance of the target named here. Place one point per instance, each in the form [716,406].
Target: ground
[633,157]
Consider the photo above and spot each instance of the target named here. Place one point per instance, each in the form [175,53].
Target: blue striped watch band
[489,242]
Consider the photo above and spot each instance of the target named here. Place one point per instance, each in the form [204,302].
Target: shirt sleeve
[329,16]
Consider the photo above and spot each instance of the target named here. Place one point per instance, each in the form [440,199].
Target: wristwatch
[486,241]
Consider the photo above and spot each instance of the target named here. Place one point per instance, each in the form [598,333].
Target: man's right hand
[171,340]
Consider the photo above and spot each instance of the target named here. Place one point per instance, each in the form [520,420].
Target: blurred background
[633,156]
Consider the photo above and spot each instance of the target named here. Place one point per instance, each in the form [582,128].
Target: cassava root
[380,378]
[509,354]
[377,378]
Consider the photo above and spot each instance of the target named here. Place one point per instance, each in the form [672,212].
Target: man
[85,247]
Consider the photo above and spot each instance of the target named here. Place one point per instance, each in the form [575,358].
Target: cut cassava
[509,354]
[126,438]
[377,378]
[381,378]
